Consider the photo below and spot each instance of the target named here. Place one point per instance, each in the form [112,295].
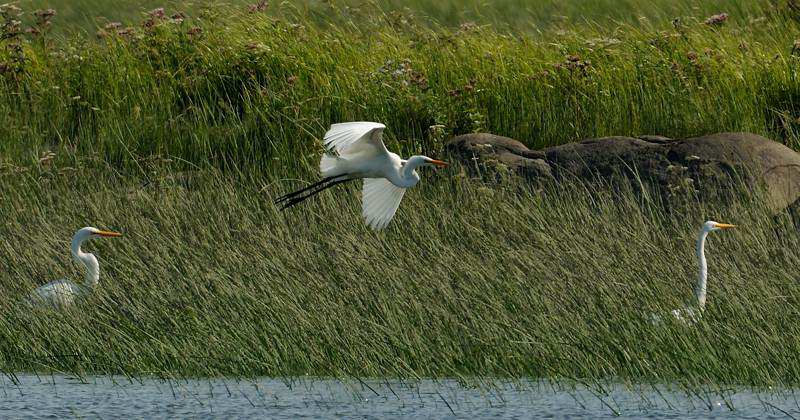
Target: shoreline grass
[469,280]
[181,138]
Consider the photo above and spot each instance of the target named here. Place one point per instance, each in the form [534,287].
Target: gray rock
[488,153]
[707,166]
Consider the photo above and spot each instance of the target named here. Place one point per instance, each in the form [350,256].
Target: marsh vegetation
[180,132]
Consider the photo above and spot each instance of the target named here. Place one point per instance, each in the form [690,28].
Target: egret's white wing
[58,293]
[379,201]
[684,316]
[687,315]
[355,137]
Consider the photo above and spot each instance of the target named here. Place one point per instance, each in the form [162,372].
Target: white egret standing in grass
[362,155]
[693,314]
[60,293]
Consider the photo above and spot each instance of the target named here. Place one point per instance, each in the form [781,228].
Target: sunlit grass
[180,136]
[514,15]
[211,279]
[258,90]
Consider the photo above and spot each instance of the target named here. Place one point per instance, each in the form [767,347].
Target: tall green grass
[516,15]
[181,138]
[258,90]
[211,279]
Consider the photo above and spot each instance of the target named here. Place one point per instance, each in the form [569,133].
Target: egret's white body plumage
[691,315]
[361,154]
[61,293]
[58,293]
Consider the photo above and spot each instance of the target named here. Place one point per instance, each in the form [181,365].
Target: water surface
[104,396]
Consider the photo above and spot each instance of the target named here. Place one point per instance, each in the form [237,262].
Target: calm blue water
[108,397]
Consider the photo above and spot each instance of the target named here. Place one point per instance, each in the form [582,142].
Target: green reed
[257,90]
[470,279]
[181,135]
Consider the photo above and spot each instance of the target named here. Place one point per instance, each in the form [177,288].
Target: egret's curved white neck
[408,174]
[88,260]
[700,287]
[410,165]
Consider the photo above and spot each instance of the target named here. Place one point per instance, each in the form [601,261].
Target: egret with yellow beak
[62,293]
[362,155]
[691,315]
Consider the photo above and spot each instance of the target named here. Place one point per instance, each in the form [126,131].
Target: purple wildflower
[157,13]
[717,19]
[258,7]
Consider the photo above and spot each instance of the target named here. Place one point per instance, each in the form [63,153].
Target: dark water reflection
[63,396]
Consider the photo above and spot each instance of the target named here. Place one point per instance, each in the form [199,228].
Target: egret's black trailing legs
[302,190]
[295,198]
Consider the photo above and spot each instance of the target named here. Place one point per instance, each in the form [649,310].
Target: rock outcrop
[706,165]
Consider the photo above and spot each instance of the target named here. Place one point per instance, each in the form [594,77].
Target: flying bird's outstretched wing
[355,137]
[379,201]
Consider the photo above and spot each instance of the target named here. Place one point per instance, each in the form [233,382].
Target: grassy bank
[180,133]
[513,15]
[257,90]
[468,281]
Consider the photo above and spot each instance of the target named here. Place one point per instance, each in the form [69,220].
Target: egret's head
[434,162]
[711,226]
[93,232]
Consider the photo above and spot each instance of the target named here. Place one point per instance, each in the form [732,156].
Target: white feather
[380,200]
[355,137]
[57,293]
[328,165]
[684,316]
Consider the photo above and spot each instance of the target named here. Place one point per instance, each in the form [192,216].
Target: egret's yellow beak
[438,163]
[725,226]
[108,234]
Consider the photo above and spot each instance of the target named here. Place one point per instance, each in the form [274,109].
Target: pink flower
[468,27]
[157,13]
[258,7]
[717,19]
[45,14]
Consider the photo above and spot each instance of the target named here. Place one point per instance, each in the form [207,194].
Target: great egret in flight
[692,315]
[60,293]
[362,155]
